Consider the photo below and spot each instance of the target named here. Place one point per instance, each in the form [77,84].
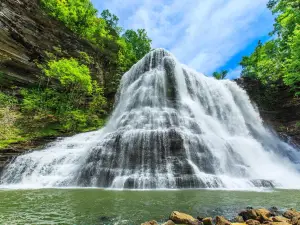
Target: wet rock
[291,213]
[182,218]
[220,220]
[207,221]
[280,219]
[296,220]
[274,211]
[238,219]
[169,222]
[252,222]
[256,214]
[152,222]
[276,223]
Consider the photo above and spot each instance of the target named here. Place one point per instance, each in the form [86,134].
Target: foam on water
[171,128]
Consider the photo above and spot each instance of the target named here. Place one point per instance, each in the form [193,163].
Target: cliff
[278,107]
[26,34]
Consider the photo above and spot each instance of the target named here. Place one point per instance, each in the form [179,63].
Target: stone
[207,221]
[238,219]
[280,219]
[296,220]
[291,213]
[252,222]
[152,222]
[183,218]
[220,220]
[169,222]
[261,215]
[276,223]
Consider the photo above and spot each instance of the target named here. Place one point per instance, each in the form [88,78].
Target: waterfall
[171,127]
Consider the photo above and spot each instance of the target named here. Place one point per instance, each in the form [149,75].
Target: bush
[72,76]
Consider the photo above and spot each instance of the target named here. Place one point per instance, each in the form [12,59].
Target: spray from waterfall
[171,128]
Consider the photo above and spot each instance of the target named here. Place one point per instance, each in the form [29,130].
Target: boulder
[182,218]
[152,222]
[238,219]
[220,220]
[296,220]
[207,221]
[276,223]
[252,222]
[291,213]
[261,215]
[280,219]
[169,222]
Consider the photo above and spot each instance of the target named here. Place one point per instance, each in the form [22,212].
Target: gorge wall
[279,108]
[26,34]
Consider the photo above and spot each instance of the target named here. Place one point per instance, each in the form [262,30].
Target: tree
[140,42]
[112,21]
[220,75]
[277,61]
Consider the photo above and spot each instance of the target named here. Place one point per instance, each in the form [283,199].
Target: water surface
[96,206]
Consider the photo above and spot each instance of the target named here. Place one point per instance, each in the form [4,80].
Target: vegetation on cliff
[278,61]
[67,99]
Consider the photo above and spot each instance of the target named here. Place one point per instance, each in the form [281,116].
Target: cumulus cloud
[204,34]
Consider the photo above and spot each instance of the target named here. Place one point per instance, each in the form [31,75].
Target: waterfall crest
[171,128]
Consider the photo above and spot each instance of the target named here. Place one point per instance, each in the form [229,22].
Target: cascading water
[171,128]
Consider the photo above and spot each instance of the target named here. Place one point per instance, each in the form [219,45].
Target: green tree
[71,75]
[140,42]
[220,75]
[277,61]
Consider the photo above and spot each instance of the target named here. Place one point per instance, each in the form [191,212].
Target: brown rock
[261,215]
[291,213]
[280,219]
[276,223]
[169,222]
[220,220]
[152,222]
[296,220]
[238,219]
[252,222]
[182,218]
[207,221]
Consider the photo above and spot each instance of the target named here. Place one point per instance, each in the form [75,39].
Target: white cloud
[234,73]
[204,34]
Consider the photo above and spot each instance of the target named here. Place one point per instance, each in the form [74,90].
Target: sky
[206,35]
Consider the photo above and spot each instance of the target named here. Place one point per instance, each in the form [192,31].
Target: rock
[280,219]
[152,222]
[291,213]
[276,223]
[296,220]
[274,211]
[169,222]
[238,219]
[207,221]
[252,222]
[261,215]
[238,224]
[220,220]
[182,218]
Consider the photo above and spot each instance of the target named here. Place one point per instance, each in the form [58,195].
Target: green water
[95,206]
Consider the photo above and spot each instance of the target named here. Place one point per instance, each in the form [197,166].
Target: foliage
[72,76]
[119,52]
[220,75]
[140,42]
[278,60]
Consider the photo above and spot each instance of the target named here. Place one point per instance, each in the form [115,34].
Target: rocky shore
[248,216]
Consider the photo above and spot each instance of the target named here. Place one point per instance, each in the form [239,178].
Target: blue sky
[206,35]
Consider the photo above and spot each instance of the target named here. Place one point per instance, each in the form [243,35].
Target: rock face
[26,33]
[280,110]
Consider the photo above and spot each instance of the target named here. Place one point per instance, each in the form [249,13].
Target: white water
[171,128]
